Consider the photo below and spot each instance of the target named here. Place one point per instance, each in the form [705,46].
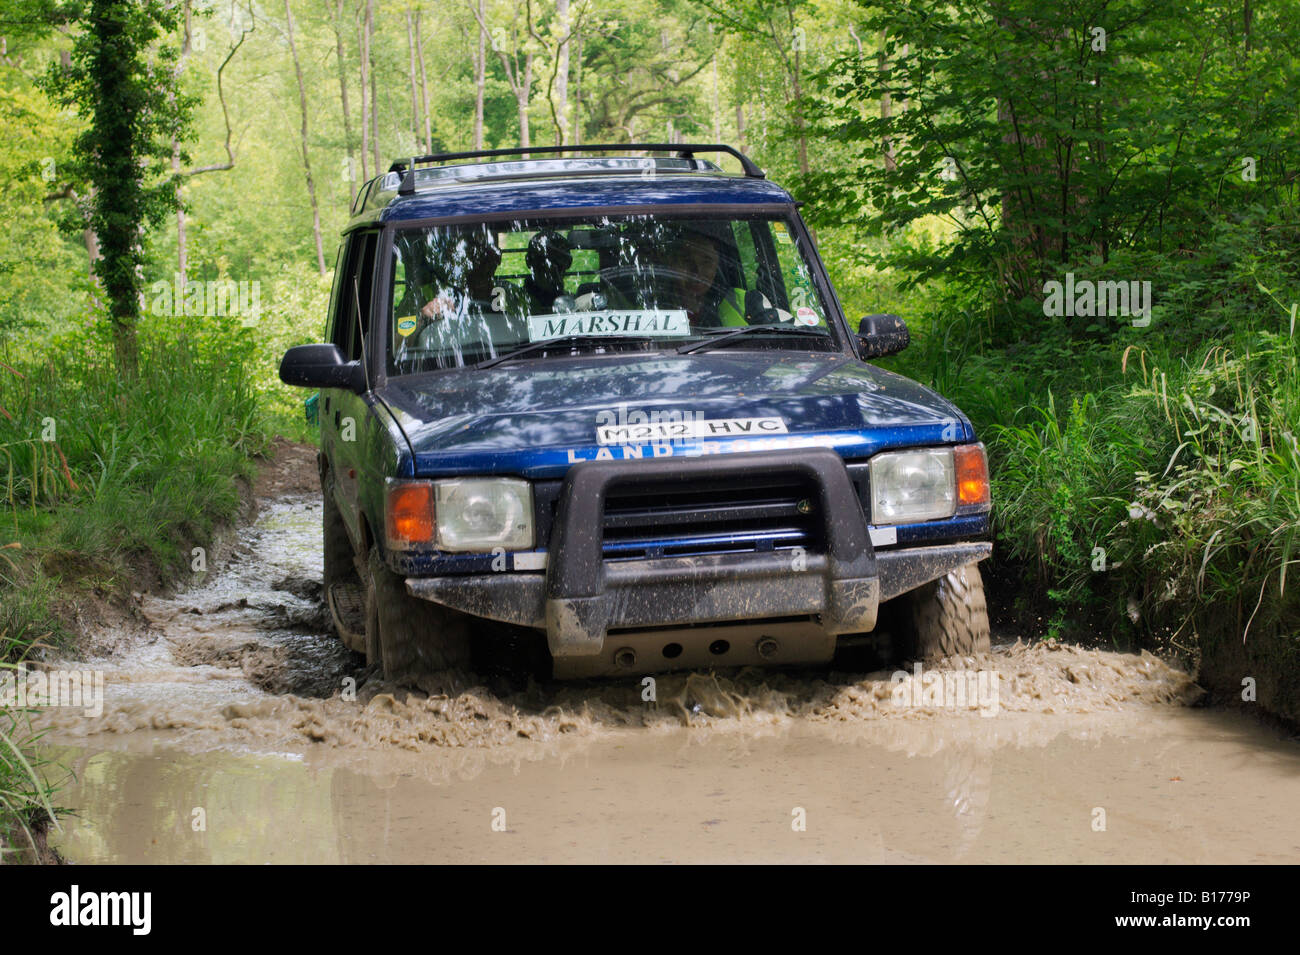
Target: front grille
[703,517]
[758,514]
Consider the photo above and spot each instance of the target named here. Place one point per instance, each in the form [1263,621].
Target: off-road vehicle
[605,398]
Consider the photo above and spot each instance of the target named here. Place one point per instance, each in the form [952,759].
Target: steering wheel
[653,286]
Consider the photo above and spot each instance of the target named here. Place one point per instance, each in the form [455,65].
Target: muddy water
[237,730]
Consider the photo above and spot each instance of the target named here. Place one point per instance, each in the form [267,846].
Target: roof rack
[683,151]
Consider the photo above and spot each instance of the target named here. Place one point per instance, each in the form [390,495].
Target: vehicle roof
[554,193]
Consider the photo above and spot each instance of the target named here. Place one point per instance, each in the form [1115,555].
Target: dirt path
[234,708]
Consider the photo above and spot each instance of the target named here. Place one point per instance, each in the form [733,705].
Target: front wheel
[947,617]
[411,636]
[344,590]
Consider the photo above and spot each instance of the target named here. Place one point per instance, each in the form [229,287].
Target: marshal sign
[658,323]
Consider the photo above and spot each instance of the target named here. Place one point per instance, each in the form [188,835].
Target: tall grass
[97,470]
[1224,509]
[1171,486]
[1142,477]
[25,794]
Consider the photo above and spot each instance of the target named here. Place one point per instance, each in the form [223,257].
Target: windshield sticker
[406,325]
[806,316]
[653,432]
[659,323]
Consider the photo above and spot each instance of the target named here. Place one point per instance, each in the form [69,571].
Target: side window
[332,321]
[356,276]
[786,272]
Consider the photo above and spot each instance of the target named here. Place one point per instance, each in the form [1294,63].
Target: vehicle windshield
[462,294]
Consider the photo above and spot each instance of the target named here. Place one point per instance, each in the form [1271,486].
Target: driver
[697,278]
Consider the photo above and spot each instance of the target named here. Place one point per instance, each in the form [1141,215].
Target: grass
[104,480]
[100,472]
[26,798]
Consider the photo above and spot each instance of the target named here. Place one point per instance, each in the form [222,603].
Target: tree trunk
[182,247]
[343,95]
[886,105]
[91,240]
[117,207]
[480,74]
[717,106]
[374,98]
[306,159]
[562,70]
[797,86]
[363,56]
[522,96]
[424,85]
[415,99]
[575,126]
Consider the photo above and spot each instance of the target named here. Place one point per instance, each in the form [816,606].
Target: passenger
[468,268]
[548,259]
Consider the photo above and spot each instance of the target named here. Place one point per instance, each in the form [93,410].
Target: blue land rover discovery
[607,398]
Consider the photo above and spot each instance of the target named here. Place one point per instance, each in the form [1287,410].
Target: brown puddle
[1178,786]
[239,705]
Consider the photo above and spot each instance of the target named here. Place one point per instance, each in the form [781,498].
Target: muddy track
[249,659]
[243,669]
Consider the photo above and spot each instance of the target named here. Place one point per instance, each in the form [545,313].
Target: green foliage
[1166,484]
[120,80]
[1044,143]
[25,794]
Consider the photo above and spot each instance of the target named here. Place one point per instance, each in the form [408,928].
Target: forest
[1086,211]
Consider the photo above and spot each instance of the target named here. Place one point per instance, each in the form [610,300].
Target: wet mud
[237,701]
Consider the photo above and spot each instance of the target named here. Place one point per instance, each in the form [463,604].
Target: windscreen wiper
[718,336]
[569,340]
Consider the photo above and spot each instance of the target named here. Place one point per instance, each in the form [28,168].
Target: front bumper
[582,597]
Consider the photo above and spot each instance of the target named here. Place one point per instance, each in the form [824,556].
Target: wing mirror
[882,334]
[321,366]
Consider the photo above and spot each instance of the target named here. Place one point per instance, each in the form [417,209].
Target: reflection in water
[715,795]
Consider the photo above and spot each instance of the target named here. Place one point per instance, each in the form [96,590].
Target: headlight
[911,486]
[461,514]
[476,514]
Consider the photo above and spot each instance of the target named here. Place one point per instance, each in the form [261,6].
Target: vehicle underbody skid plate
[520,598]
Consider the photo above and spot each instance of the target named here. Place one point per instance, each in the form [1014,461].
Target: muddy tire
[343,588]
[947,617]
[412,636]
[338,548]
